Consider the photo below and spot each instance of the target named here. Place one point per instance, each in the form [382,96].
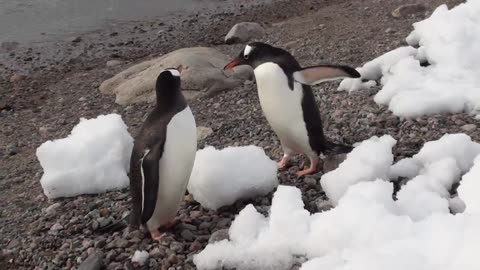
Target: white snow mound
[367,229]
[94,158]
[370,160]
[221,177]
[449,40]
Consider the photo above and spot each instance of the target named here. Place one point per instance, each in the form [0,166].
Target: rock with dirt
[203,133]
[409,9]
[202,71]
[244,32]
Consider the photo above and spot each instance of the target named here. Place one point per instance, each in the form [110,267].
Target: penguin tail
[113,227]
[337,149]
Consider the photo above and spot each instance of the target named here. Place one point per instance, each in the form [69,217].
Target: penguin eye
[246,56]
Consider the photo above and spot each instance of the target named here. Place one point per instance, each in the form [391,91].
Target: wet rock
[469,127]
[218,236]
[244,32]
[203,133]
[93,262]
[408,9]
[114,63]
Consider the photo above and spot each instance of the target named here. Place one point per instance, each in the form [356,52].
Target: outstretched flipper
[322,73]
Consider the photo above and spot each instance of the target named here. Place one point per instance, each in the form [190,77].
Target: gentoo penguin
[288,103]
[162,157]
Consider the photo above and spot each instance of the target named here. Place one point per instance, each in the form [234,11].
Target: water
[37,20]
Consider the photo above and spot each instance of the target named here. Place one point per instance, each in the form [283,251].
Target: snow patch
[140,257]
[368,229]
[221,177]
[94,158]
[449,40]
[368,161]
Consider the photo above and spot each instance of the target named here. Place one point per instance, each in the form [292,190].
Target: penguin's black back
[170,101]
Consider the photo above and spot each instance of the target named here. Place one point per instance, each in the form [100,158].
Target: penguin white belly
[175,167]
[282,107]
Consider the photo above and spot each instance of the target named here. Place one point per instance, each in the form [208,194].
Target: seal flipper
[322,73]
[150,180]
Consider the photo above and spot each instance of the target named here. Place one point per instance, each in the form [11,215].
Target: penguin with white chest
[288,103]
[162,157]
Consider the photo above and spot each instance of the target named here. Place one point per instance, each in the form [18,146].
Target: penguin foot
[156,235]
[311,170]
[282,164]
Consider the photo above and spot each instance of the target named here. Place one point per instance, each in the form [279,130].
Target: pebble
[56,227]
[93,262]
[176,246]
[52,209]
[310,181]
[157,253]
[218,236]
[195,246]
[469,127]
[121,243]
[43,131]
[187,235]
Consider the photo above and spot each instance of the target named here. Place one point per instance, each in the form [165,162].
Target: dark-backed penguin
[162,157]
[288,102]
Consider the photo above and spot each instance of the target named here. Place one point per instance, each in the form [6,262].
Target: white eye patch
[247,50]
[174,72]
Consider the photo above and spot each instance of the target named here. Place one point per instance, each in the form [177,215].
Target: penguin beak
[232,64]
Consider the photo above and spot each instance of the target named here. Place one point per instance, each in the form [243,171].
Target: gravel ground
[60,85]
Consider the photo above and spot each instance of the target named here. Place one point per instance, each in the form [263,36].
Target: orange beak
[232,64]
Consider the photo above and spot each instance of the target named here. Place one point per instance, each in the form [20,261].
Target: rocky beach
[46,87]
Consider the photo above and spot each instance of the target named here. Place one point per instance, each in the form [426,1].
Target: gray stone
[121,243]
[93,262]
[187,235]
[52,209]
[408,9]
[218,236]
[469,127]
[56,227]
[323,205]
[203,133]
[310,181]
[244,32]
[203,73]
[157,253]
[13,244]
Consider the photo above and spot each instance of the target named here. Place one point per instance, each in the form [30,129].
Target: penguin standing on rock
[162,157]
[288,103]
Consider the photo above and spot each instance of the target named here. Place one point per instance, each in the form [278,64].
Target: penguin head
[257,53]
[168,82]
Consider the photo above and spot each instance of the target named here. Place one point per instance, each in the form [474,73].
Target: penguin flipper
[150,180]
[322,73]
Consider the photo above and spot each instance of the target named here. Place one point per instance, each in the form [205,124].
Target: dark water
[39,20]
